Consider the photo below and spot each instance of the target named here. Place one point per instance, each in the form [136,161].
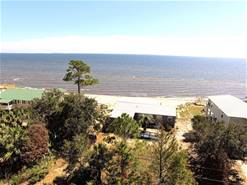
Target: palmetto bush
[11,141]
[14,117]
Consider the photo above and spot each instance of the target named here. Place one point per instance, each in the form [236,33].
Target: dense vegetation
[216,144]
[23,142]
[69,117]
[117,162]
[231,138]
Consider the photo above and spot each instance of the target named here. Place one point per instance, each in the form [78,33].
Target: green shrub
[11,142]
[199,122]
[124,126]
[18,116]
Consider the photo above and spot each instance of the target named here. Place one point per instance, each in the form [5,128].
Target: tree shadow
[235,179]
[80,176]
[190,137]
[62,180]
[208,175]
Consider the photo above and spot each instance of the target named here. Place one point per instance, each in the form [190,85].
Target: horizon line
[135,54]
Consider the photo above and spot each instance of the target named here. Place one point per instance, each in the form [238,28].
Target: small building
[9,98]
[226,108]
[163,114]
[6,86]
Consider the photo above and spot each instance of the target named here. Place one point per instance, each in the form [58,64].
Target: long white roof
[131,108]
[230,105]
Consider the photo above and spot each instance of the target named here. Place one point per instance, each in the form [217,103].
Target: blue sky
[43,20]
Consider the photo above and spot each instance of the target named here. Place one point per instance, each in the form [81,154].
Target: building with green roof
[13,96]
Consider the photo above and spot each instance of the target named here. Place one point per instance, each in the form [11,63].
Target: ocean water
[131,75]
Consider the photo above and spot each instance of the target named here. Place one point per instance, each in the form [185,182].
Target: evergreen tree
[122,169]
[163,151]
[178,172]
[169,164]
[79,72]
[98,162]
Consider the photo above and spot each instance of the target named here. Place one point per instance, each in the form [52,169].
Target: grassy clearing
[189,110]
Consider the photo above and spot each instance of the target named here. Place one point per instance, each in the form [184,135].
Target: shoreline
[111,100]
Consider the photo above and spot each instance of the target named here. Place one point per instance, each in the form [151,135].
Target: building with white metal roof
[133,108]
[226,108]
[161,115]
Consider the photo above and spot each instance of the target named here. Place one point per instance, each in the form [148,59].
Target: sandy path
[241,167]
[183,127]
[56,170]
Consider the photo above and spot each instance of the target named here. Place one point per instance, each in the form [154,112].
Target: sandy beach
[164,101]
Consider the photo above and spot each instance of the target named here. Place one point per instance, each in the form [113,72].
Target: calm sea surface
[131,75]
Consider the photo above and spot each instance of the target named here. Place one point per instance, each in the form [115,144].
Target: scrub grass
[33,174]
